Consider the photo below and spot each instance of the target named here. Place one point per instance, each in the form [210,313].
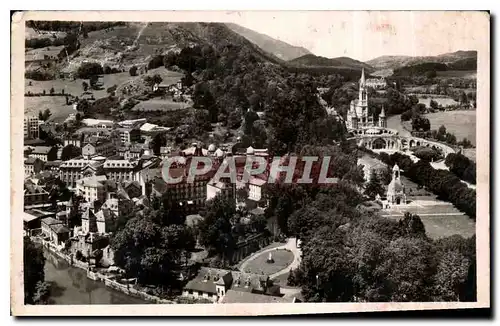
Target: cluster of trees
[353,255]
[232,77]
[222,228]
[420,123]
[154,244]
[36,43]
[44,115]
[36,290]
[462,167]
[428,154]
[443,183]
[286,198]
[428,69]
[89,69]
[39,75]
[70,151]
[369,258]
[444,136]
[66,26]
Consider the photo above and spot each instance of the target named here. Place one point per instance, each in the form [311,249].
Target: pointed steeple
[382,114]
[362,80]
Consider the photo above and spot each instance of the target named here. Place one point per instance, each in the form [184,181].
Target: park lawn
[443,101]
[56,104]
[437,227]
[461,123]
[161,105]
[269,246]
[282,258]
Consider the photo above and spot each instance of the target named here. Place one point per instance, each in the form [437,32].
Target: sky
[364,35]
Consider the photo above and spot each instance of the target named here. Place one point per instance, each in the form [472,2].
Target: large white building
[31,124]
[359,114]
[92,188]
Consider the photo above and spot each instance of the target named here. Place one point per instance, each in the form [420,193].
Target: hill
[394,62]
[340,62]
[278,48]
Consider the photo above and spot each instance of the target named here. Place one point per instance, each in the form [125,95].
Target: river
[70,285]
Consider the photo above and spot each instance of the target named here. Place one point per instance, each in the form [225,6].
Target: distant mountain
[312,60]
[280,49]
[394,62]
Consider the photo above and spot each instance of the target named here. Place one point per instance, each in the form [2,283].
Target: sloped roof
[41,150]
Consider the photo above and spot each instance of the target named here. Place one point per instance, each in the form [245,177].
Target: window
[190,291]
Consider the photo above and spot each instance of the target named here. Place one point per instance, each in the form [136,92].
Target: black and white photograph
[250,158]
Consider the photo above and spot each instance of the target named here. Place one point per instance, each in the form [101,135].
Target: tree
[158,142]
[133,71]
[89,69]
[374,186]
[434,105]
[356,175]
[152,80]
[33,269]
[85,86]
[70,151]
[215,228]
[45,115]
[93,79]
[42,293]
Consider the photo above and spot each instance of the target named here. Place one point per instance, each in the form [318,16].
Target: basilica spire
[362,80]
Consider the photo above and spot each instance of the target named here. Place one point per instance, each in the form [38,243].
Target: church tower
[362,105]
[382,119]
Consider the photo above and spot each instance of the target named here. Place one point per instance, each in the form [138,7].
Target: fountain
[270,259]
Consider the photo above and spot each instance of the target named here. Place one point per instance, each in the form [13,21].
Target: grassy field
[460,123]
[282,258]
[444,101]
[447,225]
[56,104]
[161,104]
[60,111]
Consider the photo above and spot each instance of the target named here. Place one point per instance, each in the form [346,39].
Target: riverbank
[107,281]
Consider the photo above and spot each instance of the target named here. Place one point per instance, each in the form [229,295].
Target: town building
[52,166]
[213,284]
[98,146]
[55,230]
[255,189]
[75,139]
[34,194]
[224,188]
[96,123]
[129,135]
[32,166]
[376,83]
[92,188]
[44,153]
[130,152]
[132,123]
[31,127]
[72,170]
[119,170]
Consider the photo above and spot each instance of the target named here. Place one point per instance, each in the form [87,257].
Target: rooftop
[41,150]
[95,181]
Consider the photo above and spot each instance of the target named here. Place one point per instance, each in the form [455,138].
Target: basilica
[359,115]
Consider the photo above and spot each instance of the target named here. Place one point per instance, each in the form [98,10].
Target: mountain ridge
[278,48]
[398,61]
